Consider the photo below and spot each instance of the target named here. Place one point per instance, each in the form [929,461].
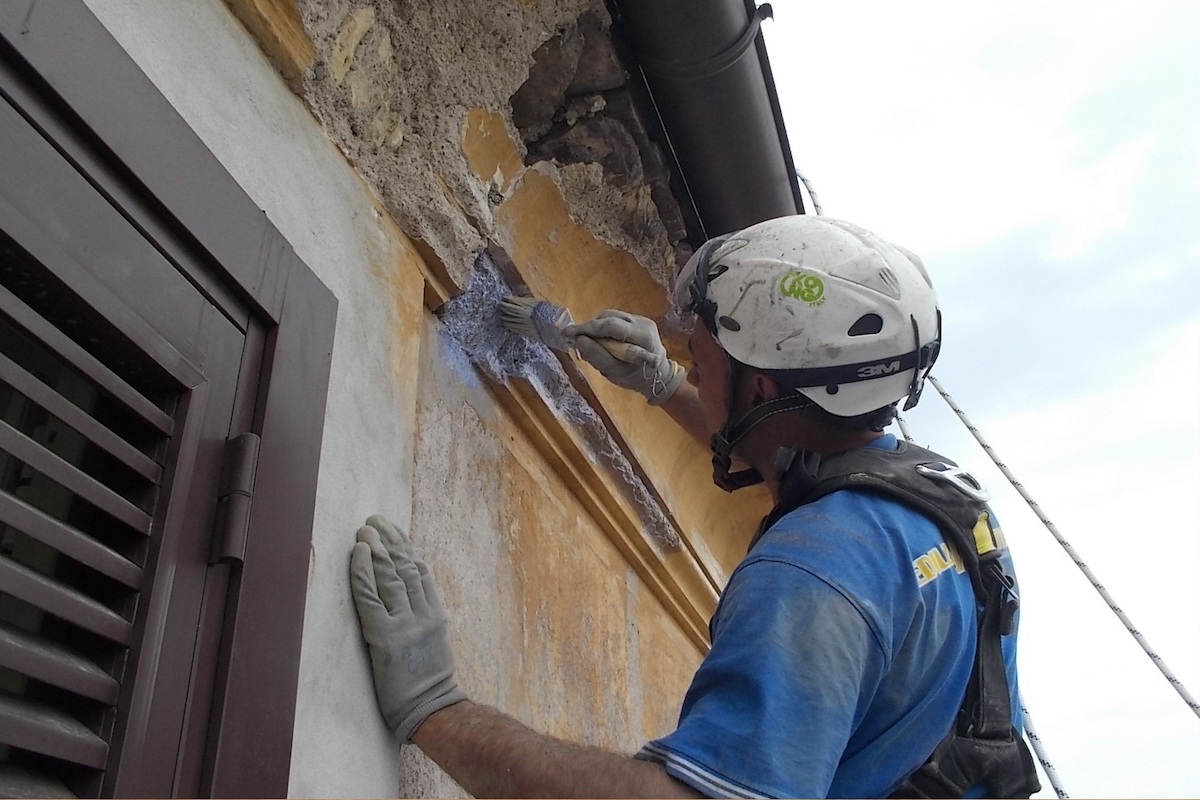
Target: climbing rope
[1137,635]
[1030,732]
[1040,751]
[812,195]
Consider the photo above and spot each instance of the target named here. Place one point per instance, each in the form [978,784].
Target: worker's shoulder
[849,532]
[859,545]
[852,514]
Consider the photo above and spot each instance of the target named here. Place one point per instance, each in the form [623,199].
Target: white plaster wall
[209,68]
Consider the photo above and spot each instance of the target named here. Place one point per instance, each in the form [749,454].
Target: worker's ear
[763,388]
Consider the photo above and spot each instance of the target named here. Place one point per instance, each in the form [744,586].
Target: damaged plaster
[394,82]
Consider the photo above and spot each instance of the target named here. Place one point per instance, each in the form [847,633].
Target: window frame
[169,184]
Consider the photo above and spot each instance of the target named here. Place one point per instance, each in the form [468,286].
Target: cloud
[947,126]
[1086,203]
[1152,398]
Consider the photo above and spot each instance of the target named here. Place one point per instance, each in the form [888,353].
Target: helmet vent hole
[831,389]
[867,325]
[729,323]
[890,282]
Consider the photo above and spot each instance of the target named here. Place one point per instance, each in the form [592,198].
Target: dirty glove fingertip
[381,523]
[362,571]
[395,539]
[390,585]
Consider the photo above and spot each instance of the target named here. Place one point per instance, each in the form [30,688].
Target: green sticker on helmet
[803,286]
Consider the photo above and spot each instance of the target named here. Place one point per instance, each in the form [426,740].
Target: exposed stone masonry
[394,80]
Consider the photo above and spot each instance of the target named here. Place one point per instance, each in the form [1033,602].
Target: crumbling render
[394,80]
[576,111]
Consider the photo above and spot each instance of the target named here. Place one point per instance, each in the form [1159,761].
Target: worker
[865,647]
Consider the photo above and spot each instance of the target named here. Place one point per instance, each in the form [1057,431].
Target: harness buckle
[1007,596]
[957,477]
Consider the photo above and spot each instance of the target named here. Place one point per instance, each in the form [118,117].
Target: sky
[1042,159]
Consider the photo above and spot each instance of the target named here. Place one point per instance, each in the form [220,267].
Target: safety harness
[983,748]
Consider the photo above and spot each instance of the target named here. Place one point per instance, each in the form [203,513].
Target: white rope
[1137,635]
[816,204]
[1040,751]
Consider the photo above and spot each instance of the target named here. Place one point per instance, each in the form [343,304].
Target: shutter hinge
[233,499]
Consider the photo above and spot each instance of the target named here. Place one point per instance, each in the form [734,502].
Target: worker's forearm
[684,408]
[493,755]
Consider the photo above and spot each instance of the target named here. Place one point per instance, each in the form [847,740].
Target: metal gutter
[704,65]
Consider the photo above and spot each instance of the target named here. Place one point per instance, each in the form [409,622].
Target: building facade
[252,252]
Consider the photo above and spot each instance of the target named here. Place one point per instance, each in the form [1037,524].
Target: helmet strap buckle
[722,461]
[926,356]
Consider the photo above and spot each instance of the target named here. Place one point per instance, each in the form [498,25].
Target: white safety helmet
[826,307]
[847,321]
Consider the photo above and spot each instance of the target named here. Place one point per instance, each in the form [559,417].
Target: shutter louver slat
[44,729]
[61,463]
[25,449]
[53,664]
[129,354]
[62,601]
[39,328]
[77,418]
[70,542]
[16,782]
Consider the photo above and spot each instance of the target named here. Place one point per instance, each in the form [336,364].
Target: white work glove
[641,364]
[404,625]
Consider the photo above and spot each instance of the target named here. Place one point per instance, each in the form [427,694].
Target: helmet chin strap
[722,477]
[724,440]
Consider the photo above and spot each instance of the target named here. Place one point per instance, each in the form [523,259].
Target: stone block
[598,68]
[554,64]
[346,43]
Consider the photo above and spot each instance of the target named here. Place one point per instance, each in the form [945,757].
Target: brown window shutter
[146,305]
[78,479]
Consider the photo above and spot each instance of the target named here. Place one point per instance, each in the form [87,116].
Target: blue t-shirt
[841,650]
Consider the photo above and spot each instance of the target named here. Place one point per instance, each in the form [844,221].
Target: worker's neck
[823,440]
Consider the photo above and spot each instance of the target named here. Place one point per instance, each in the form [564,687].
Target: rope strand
[1050,526]
[812,195]
[1040,751]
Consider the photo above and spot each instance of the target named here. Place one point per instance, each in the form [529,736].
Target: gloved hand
[644,365]
[404,625]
